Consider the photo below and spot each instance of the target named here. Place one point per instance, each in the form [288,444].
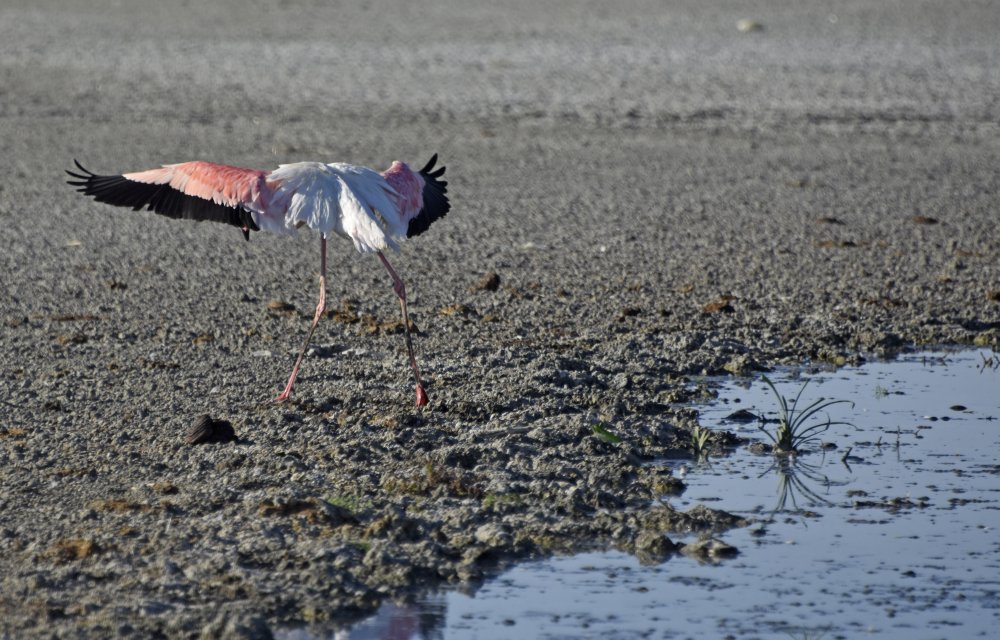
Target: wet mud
[623,225]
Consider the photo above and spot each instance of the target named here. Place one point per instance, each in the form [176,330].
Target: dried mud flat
[660,197]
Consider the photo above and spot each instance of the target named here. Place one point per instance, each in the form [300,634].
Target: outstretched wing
[436,203]
[190,190]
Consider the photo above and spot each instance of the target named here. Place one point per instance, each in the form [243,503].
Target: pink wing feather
[220,183]
[422,194]
[192,190]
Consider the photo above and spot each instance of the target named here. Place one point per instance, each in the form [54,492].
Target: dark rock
[205,429]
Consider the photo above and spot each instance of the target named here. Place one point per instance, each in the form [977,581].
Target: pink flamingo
[375,210]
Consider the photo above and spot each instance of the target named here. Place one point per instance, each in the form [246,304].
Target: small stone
[489,282]
[493,535]
[280,306]
[205,429]
[740,365]
[719,306]
[748,26]
[652,547]
[456,309]
[200,430]
[709,549]
[742,415]
[165,488]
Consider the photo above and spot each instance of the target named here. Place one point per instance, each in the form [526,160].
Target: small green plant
[491,499]
[361,545]
[603,433]
[881,392]
[792,431]
[351,503]
[699,441]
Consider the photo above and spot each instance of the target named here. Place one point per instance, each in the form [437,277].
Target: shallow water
[898,541]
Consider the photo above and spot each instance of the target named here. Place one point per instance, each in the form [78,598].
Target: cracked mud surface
[640,198]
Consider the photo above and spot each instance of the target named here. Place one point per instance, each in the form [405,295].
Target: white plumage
[354,202]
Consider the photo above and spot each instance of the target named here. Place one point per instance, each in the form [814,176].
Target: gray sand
[827,186]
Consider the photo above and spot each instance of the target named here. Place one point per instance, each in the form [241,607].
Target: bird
[375,210]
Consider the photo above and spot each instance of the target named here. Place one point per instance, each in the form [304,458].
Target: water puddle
[899,539]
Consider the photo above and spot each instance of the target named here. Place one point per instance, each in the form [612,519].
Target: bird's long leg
[400,290]
[320,308]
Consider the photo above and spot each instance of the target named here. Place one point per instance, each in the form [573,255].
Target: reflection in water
[423,620]
[794,477]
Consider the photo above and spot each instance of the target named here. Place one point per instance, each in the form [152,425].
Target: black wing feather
[436,203]
[159,198]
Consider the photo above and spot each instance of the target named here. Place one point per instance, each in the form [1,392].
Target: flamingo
[376,211]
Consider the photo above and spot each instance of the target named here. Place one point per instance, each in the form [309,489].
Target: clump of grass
[605,434]
[349,502]
[699,441]
[491,499]
[793,431]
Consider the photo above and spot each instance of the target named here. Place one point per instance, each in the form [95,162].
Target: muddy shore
[658,196]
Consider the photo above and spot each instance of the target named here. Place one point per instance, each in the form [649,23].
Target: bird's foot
[421,396]
[284,396]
